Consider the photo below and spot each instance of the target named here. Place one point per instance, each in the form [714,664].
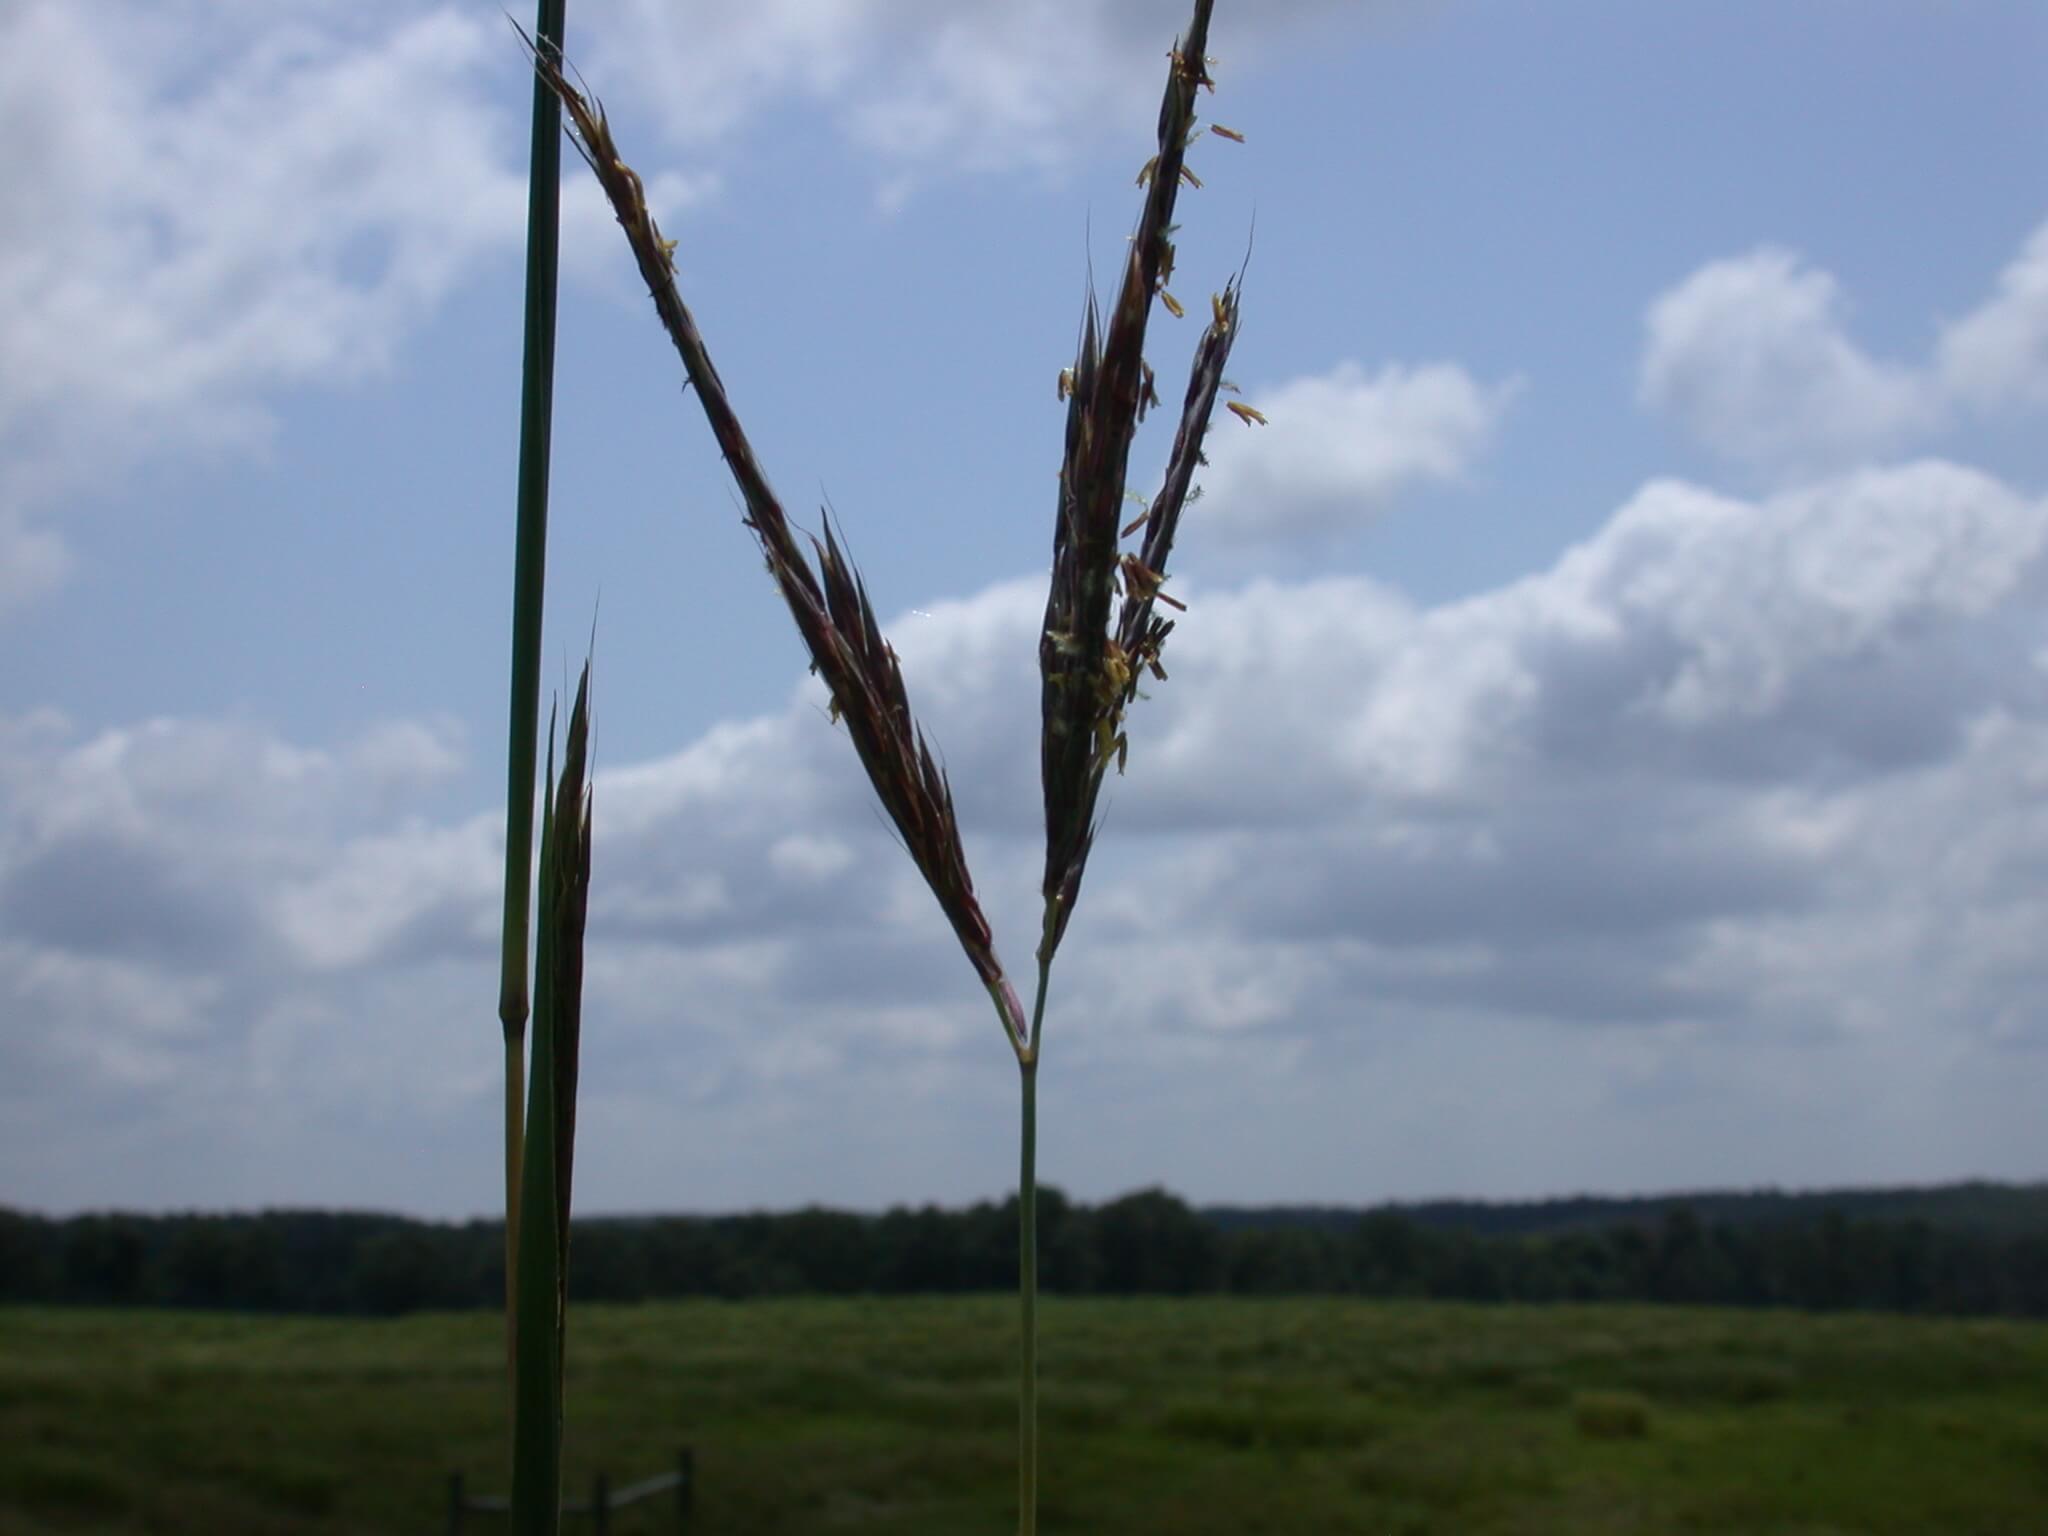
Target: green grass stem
[1027,1301]
[529,577]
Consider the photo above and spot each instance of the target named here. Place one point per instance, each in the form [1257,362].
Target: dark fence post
[602,1496]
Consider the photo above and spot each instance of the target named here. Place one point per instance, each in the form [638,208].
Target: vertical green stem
[1027,1255]
[537,1388]
[536,413]
[1027,1296]
[515,1134]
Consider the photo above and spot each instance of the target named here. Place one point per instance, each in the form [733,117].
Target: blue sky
[1605,749]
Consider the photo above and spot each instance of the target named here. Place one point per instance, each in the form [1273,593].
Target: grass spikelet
[829,604]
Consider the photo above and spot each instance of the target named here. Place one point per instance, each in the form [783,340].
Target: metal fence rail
[599,1506]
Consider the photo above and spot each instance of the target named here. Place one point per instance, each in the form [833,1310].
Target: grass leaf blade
[541,1315]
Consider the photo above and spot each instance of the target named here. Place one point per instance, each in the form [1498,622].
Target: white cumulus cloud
[1754,357]
[1997,355]
[210,206]
[207,206]
[1339,447]
[1751,355]
[923,85]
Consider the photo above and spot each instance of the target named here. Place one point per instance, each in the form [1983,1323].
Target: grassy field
[1200,1416]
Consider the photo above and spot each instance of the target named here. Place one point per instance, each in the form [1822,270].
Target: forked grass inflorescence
[1102,631]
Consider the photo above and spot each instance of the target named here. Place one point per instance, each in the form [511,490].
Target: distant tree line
[1144,1243]
[2012,1210]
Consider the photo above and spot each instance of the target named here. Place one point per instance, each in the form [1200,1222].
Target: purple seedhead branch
[830,605]
[1090,670]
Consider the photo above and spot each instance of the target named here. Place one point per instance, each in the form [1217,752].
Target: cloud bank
[1732,816]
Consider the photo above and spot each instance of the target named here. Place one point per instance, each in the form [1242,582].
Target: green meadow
[1187,1416]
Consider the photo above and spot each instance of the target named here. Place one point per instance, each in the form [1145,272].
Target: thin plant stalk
[529,576]
[1027,1263]
[1027,1300]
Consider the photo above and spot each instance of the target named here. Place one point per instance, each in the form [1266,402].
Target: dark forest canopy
[1970,1248]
